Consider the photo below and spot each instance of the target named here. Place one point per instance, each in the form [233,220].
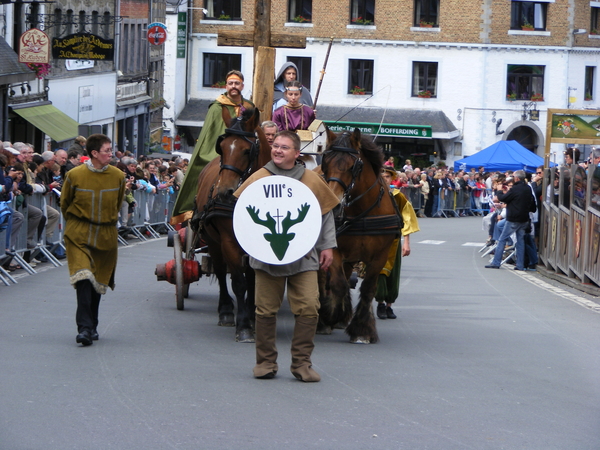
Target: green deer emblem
[279,241]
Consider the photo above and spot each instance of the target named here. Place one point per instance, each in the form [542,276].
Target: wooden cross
[263,42]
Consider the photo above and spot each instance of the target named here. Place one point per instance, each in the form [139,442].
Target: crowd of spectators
[24,172]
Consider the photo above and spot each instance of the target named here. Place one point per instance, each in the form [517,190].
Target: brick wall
[135,9]
[468,21]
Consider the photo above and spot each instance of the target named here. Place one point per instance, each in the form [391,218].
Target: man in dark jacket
[519,203]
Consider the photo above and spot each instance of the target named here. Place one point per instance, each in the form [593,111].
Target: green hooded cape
[204,152]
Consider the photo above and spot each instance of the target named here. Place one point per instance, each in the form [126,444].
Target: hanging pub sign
[157,33]
[35,47]
[83,46]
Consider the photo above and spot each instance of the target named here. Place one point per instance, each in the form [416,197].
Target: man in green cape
[205,152]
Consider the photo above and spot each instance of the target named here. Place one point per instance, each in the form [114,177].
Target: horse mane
[239,123]
[369,150]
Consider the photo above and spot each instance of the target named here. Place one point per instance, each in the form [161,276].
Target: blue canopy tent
[500,157]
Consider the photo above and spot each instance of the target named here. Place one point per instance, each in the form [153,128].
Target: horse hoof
[227,320]
[326,329]
[340,326]
[360,340]
[245,336]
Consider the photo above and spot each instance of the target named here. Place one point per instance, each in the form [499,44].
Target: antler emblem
[279,241]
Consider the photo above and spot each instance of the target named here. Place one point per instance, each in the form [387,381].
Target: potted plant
[511,97]
[588,97]
[424,24]
[300,19]
[526,26]
[537,98]
[40,69]
[595,32]
[361,21]
[224,17]
[424,94]
[357,90]
[219,84]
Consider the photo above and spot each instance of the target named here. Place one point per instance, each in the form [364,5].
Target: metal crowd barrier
[41,201]
[459,203]
[151,212]
[414,196]
[569,240]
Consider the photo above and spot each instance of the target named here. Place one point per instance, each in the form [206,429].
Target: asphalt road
[477,359]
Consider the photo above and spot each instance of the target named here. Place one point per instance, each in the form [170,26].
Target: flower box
[424,94]
[426,24]
[361,21]
[511,97]
[537,98]
[357,90]
[300,19]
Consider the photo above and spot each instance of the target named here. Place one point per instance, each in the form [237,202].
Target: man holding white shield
[298,272]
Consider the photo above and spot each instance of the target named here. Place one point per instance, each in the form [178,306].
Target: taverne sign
[384,129]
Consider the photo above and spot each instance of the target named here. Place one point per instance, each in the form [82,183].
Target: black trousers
[88,302]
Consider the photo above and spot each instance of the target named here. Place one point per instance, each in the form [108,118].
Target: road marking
[473,244]
[558,291]
[431,242]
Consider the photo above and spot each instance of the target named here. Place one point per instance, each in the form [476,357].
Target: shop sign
[384,129]
[35,47]
[181,34]
[83,46]
[157,33]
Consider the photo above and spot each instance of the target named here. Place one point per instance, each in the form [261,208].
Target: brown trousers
[302,293]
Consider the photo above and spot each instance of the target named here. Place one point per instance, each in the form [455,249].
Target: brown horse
[366,227]
[243,149]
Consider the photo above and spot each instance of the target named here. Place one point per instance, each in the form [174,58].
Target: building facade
[102,74]
[474,71]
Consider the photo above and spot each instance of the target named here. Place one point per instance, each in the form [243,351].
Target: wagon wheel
[179,285]
[189,254]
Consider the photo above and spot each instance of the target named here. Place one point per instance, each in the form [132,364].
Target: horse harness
[363,224]
[216,206]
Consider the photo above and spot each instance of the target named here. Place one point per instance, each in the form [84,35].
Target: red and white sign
[157,33]
[35,47]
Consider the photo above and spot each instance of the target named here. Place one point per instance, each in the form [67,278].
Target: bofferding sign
[277,220]
[83,46]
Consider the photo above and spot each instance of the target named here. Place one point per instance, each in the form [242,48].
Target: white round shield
[277,220]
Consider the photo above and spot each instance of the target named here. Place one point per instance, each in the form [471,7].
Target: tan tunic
[90,202]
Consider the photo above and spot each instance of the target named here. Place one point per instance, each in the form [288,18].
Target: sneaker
[491,266]
[390,312]
[381,312]
[532,268]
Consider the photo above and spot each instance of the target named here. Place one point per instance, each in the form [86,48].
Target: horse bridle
[354,171]
[252,152]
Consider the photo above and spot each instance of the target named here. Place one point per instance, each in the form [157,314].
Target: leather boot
[266,350]
[302,347]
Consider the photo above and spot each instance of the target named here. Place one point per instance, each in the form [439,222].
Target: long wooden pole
[264,60]
[322,73]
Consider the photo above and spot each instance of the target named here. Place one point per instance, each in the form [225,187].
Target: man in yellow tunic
[92,194]
[388,283]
